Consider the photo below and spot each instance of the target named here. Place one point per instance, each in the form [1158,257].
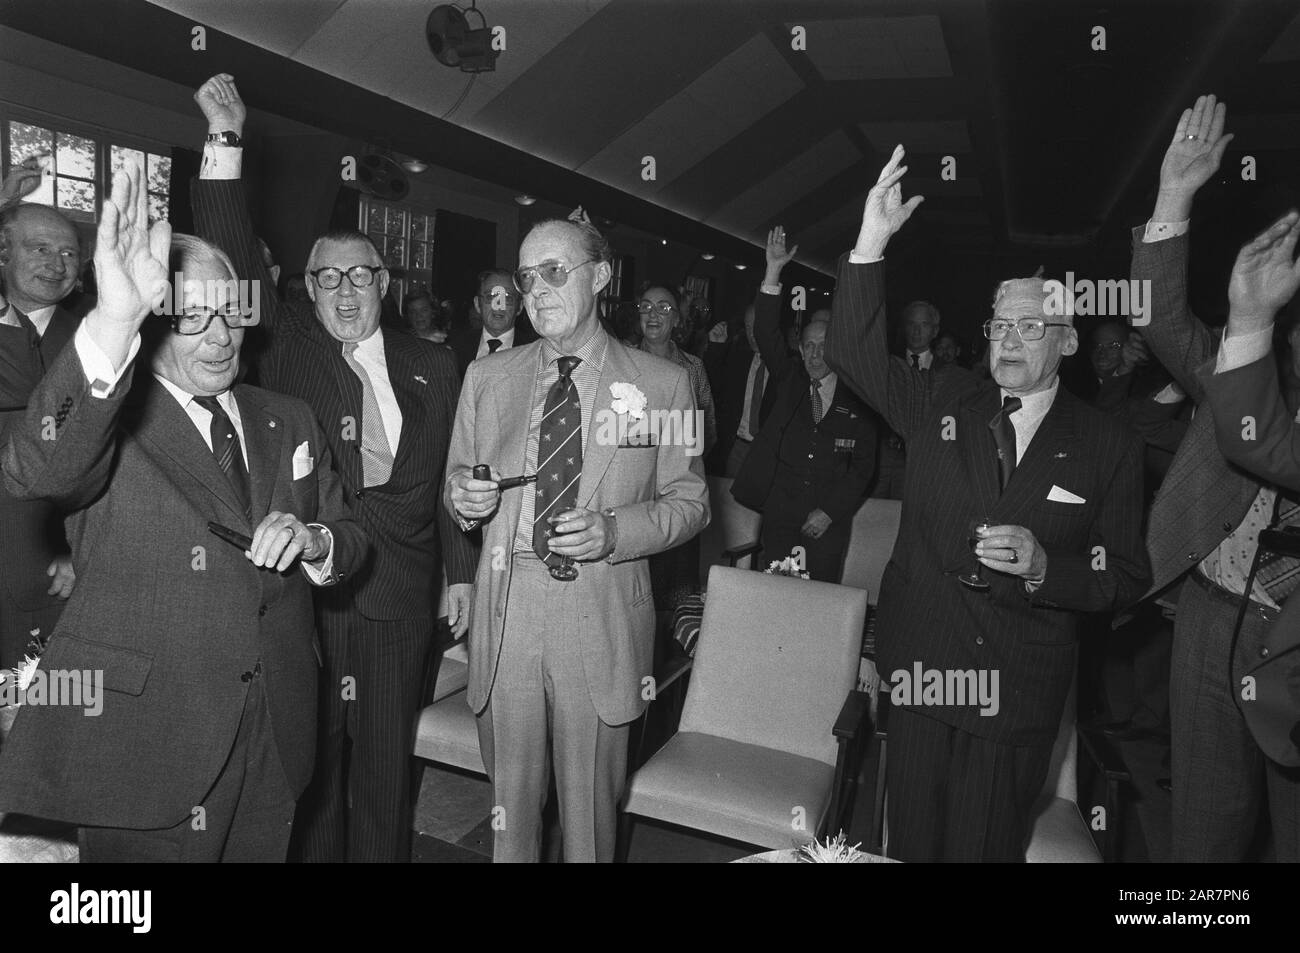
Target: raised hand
[221,104]
[718,333]
[1192,158]
[1265,276]
[130,257]
[22,180]
[884,211]
[777,256]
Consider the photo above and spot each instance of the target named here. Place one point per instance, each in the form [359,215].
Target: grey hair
[932,313]
[594,245]
[344,236]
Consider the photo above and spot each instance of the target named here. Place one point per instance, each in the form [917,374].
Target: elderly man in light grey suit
[560,664]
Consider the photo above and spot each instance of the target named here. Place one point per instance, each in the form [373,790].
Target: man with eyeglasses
[194,655]
[40,262]
[385,402]
[562,632]
[1051,491]
[498,306]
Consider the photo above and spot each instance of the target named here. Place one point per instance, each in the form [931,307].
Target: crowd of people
[241,515]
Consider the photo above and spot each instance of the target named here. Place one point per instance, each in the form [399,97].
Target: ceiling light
[414,166]
[707,256]
[663,241]
[740,267]
[524,200]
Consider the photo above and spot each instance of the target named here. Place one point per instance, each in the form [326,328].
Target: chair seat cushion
[448,734]
[734,790]
[1060,835]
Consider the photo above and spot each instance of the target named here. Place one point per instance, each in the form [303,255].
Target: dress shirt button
[979,640]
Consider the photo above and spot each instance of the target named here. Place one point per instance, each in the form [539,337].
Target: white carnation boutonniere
[628,399]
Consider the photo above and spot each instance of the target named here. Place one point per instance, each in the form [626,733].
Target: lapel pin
[271,424]
[421,379]
[1061,455]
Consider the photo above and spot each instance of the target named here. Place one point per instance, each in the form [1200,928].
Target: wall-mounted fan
[454,43]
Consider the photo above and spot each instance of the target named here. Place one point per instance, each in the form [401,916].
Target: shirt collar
[506,337]
[591,352]
[827,383]
[372,346]
[1037,404]
[184,397]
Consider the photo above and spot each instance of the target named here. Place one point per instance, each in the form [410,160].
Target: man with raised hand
[1052,491]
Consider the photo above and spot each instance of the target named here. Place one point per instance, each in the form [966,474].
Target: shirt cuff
[321,572]
[99,369]
[221,161]
[1159,231]
[1242,349]
[856,259]
[770,289]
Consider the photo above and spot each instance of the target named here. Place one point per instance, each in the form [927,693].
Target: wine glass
[565,570]
[976,530]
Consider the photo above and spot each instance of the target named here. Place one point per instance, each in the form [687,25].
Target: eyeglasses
[1031,329]
[198,320]
[553,273]
[361,276]
[662,307]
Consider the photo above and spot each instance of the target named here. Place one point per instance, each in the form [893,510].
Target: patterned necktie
[493,345]
[225,447]
[559,455]
[1004,435]
[376,454]
[817,403]
[1278,574]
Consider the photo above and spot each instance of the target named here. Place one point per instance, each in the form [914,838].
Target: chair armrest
[852,716]
[1103,755]
[736,553]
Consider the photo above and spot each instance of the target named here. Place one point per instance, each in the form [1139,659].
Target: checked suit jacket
[170,614]
[411,534]
[1095,558]
[658,494]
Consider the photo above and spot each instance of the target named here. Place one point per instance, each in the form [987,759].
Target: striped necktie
[225,447]
[817,409]
[376,454]
[559,452]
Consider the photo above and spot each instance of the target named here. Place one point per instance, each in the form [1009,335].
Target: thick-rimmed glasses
[360,276]
[554,273]
[198,320]
[664,308]
[1030,329]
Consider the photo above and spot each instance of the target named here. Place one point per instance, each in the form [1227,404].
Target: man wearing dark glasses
[563,622]
[385,403]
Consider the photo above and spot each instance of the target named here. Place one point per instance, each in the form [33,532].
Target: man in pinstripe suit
[1204,529]
[386,403]
[1061,486]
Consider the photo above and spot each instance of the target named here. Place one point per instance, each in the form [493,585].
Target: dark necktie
[916,360]
[559,456]
[493,345]
[817,410]
[1004,435]
[225,447]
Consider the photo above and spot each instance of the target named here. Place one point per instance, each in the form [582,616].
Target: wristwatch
[225,138]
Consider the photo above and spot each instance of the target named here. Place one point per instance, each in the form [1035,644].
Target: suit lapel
[168,428]
[1050,447]
[979,451]
[598,454]
[401,377]
[263,432]
[512,389]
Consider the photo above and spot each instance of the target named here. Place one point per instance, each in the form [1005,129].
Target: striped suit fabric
[1096,561]
[377,626]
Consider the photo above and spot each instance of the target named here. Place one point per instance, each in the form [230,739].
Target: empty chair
[731,526]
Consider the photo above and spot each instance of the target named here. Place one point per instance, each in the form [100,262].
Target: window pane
[123,157]
[160,173]
[396,251]
[417,227]
[158,210]
[419,259]
[396,223]
[25,140]
[77,197]
[76,156]
[375,225]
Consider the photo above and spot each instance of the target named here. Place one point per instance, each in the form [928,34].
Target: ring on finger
[1015,557]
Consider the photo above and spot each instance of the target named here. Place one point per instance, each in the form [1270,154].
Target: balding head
[40,256]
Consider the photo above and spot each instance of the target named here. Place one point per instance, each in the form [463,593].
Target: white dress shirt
[370,355]
[40,318]
[507,340]
[1026,420]
[923,360]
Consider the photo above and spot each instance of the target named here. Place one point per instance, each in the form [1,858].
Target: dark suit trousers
[953,796]
[783,518]
[358,806]
[1220,776]
[17,625]
[245,818]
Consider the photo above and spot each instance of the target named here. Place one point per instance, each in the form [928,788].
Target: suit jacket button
[1192,556]
[360,493]
[1227,527]
[1263,653]
[979,640]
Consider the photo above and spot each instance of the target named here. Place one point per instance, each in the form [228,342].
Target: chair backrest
[775,660]
[1062,772]
[871,541]
[730,525]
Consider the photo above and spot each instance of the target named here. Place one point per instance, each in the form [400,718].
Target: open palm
[1197,148]
[130,257]
[1266,276]
[884,212]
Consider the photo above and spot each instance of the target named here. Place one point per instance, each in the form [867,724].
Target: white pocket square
[303,462]
[1059,495]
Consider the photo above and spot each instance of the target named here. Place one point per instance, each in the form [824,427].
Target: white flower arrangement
[628,399]
[786,567]
[835,851]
